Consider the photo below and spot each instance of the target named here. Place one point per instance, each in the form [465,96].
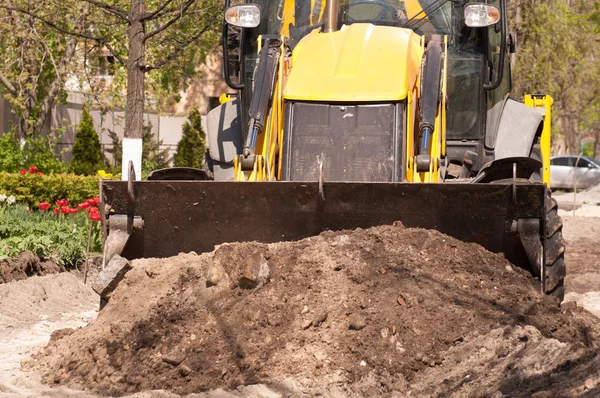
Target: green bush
[192,146]
[87,152]
[31,189]
[61,238]
[35,151]
[38,151]
[10,154]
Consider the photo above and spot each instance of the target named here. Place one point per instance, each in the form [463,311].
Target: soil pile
[24,266]
[381,311]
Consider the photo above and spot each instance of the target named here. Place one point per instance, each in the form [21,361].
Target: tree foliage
[152,46]
[87,152]
[559,50]
[36,59]
[192,146]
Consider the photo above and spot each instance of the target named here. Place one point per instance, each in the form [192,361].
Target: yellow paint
[411,114]
[289,17]
[225,98]
[355,64]
[413,8]
[545,140]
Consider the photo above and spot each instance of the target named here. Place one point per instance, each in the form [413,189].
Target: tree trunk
[569,124]
[134,116]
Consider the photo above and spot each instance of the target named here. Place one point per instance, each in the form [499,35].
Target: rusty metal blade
[182,216]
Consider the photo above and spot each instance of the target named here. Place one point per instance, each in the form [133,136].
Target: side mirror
[479,15]
[243,16]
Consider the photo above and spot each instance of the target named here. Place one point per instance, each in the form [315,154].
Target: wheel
[554,253]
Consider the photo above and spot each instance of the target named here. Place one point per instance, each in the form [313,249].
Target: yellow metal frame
[437,146]
[265,168]
[543,102]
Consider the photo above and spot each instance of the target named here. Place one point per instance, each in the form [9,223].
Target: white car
[563,170]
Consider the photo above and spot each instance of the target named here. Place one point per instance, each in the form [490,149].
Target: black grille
[359,143]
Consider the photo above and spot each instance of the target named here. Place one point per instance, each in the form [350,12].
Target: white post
[132,150]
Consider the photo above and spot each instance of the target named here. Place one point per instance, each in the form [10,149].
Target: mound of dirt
[370,312]
[24,266]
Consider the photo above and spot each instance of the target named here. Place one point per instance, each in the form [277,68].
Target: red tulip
[32,170]
[95,216]
[96,200]
[56,210]
[23,171]
[83,205]
[40,173]
[65,210]
[91,202]
[92,210]
[74,210]
[43,206]
[62,203]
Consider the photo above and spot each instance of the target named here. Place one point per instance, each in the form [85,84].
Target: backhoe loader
[358,113]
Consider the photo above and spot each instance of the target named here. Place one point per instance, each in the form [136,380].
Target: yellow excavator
[357,113]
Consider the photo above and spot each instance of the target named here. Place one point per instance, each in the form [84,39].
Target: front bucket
[183,216]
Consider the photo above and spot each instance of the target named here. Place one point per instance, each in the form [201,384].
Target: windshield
[296,19]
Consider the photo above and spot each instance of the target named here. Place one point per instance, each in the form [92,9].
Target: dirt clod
[357,322]
[25,265]
[319,319]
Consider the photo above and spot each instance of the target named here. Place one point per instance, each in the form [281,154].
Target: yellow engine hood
[360,62]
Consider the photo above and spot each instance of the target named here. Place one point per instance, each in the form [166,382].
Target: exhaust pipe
[331,22]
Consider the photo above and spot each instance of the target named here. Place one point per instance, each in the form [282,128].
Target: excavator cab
[357,113]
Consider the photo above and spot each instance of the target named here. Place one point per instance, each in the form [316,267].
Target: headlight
[243,16]
[479,15]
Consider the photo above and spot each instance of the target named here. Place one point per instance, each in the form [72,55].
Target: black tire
[554,252]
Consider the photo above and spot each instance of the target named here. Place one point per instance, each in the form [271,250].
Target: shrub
[192,146]
[61,238]
[31,189]
[35,150]
[10,153]
[38,151]
[87,152]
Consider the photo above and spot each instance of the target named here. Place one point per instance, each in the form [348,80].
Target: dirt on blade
[374,312]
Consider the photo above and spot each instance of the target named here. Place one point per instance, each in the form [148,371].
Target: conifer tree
[117,150]
[192,146]
[153,158]
[87,153]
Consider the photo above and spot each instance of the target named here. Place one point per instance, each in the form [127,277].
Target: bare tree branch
[9,86]
[176,18]
[119,58]
[176,51]
[53,25]
[57,84]
[117,11]
[158,13]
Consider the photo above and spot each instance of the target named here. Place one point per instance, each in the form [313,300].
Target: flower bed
[57,231]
